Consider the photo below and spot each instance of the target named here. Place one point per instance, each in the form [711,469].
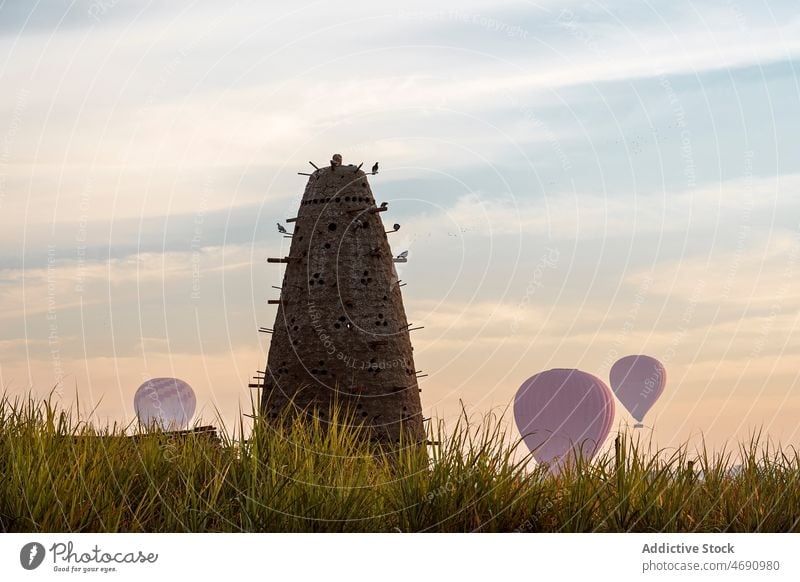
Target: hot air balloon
[638,381]
[167,403]
[563,410]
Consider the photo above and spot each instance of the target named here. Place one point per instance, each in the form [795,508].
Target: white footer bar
[382,557]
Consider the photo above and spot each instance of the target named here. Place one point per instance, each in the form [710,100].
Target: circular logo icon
[31,555]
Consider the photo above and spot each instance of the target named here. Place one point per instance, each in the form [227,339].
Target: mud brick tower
[340,331]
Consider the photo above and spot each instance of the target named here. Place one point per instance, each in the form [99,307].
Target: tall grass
[60,474]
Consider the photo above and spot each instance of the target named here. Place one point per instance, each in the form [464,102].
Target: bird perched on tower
[281,228]
[375,168]
[336,161]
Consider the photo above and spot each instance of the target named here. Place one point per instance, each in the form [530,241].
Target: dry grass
[305,478]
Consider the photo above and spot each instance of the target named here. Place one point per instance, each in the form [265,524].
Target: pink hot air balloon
[561,410]
[168,403]
[638,381]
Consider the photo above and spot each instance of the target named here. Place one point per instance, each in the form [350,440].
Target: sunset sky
[575,182]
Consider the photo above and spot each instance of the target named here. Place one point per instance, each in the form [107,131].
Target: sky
[576,182]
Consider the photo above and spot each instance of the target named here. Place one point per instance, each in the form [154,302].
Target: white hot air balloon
[638,381]
[563,410]
[167,403]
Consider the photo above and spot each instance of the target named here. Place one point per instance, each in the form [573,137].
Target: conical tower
[340,331]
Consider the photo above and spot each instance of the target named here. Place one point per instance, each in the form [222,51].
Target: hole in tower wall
[332,226]
[327,245]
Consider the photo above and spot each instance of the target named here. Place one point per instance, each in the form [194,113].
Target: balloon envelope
[561,410]
[638,381]
[168,403]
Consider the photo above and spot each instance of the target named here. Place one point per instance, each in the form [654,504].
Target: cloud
[67,284]
[588,215]
[761,277]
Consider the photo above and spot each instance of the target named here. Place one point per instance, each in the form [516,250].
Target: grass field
[59,474]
